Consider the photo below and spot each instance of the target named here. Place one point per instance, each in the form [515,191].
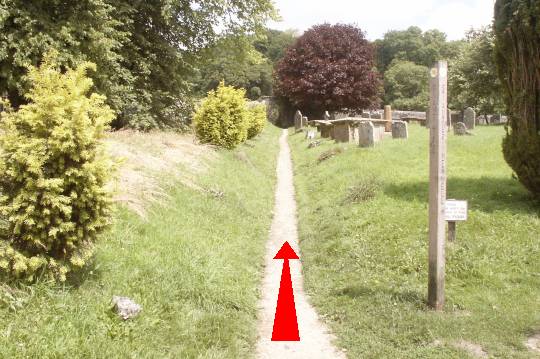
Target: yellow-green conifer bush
[223,118]
[257,120]
[54,171]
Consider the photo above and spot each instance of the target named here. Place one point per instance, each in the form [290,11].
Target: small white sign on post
[455,211]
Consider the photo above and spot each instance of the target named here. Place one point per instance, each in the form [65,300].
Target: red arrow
[285,322]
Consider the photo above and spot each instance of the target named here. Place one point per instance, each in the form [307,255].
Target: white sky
[376,17]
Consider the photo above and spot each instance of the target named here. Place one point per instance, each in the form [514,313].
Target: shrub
[255,93]
[54,171]
[257,120]
[365,190]
[223,118]
[330,67]
[517,50]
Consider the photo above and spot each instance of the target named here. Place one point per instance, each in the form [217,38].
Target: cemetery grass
[194,265]
[363,229]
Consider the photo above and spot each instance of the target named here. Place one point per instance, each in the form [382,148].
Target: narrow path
[315,340]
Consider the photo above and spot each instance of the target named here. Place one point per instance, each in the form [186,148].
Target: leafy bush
[257,120]
[223,118]
[406,86]
[255,93]
[517,50]
[330,67]
[54,171]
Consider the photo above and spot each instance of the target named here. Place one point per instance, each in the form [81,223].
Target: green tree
[406,86]
[517,50]
[235,61]
[473,80]
[54,170]
[273,43]
[145,50]
[422,48]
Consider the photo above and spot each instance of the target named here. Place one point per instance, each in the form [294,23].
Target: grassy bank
[194,265]
[363,231]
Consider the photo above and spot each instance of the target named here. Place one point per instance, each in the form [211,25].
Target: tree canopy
[406,86]
[329,67]
[144,50]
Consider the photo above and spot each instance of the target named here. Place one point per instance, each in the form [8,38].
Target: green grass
[194,266]
[365,260]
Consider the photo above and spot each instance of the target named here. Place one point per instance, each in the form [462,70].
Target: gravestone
[460,129]
[366,136]
[298,120]
[342,132]
[449,119]
[400,129]
[304,121]
[427,118]
[310,134]
[376,116]
[469,118]
[326,130]
[326,116]
[388,118]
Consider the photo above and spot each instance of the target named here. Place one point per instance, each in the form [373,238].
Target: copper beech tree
[329,68]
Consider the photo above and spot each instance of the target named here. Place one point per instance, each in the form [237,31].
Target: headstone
[310,135]
[366,115]
[342,132]
[449,119]
[400,129]
[469,118]
[298,120]
[460,129]
[366,133]
[326,116]
[376,116]
[304,121]
[326,130]
[388,118]
[427,118]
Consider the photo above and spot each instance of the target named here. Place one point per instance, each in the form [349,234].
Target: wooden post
[451,231]
[438,110]
[388,118]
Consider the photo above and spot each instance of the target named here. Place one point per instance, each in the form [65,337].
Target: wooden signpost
[438,112]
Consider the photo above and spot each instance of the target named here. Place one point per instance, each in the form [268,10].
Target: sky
[376,17]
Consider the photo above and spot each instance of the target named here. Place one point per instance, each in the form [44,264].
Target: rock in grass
[314,144]
[125,307]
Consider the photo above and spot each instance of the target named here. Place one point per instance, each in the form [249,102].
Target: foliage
[473,80]
[255,93]
[374,257]
[54,173]
[223,119]
[194,264]
[235,61]
[274,43]
[329,67]
[406,86]
[364,190]
[422,48]
[145,51]
[257,120]
[517,31]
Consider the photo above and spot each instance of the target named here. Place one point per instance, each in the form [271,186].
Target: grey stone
[326,130]
[125,307]
[310,134]
[298,120]
[400,129]
[460,129]
[314,144]
[342,132]
[469,118]
[326,116]
[305,121]
[366,134]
